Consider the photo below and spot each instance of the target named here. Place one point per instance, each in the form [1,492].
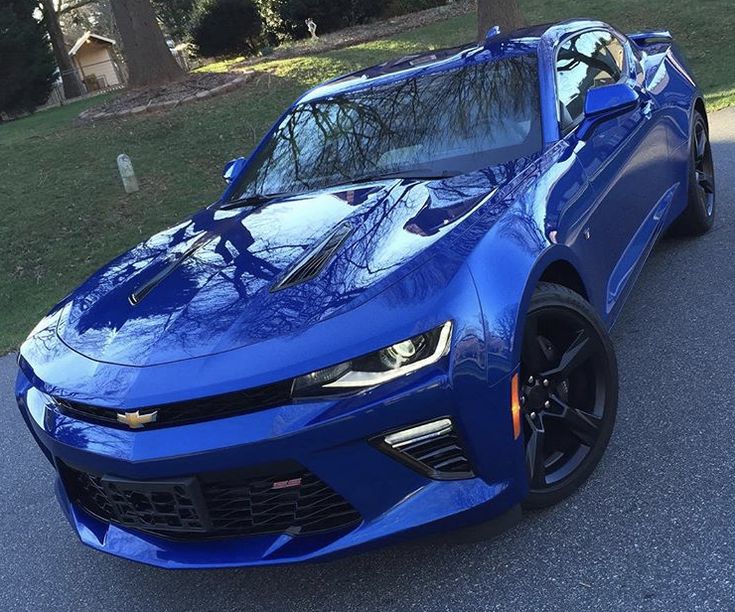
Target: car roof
[523,41]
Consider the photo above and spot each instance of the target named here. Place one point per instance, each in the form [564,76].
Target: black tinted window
[585,61]
[455,121]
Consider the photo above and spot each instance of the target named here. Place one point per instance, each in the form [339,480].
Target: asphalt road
[654,528]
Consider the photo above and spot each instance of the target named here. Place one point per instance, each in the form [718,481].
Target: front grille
[192,411]
[214,505]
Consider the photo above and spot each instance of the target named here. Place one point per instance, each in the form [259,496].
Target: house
[94,59]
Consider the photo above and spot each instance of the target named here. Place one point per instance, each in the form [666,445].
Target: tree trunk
[148,58]
[69,77]
[503,13]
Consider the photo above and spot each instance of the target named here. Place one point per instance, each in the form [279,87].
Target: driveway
[653,529]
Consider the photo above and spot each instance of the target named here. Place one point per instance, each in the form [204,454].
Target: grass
[702,27]
[62,205]
[43,122]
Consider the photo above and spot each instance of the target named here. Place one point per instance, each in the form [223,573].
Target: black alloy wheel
[568,393]
[704,168]
[699,215]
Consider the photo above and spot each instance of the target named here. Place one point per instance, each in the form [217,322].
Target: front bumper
[330,439]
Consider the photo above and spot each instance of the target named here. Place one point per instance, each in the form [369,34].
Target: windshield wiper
[253,200]
[381,176]
[258,199]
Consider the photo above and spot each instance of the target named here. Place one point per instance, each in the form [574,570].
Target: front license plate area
[164,505]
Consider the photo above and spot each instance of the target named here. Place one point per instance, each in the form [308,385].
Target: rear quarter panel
[668,78]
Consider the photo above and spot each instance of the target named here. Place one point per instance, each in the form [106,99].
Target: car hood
[211,284]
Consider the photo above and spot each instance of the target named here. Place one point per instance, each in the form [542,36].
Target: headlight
[379,367]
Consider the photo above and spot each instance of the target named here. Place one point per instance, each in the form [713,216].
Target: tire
[699,215]
[568,391]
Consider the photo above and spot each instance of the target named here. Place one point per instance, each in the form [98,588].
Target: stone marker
[127,174]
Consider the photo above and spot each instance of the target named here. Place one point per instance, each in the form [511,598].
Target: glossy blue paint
[233,168]
[491,33]
[606,100]
[470,248]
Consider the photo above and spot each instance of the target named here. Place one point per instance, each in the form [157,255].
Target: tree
[69,77]
[27,65]
[503,13]
[93,17]
[147,55]
[224,27]
[175,15]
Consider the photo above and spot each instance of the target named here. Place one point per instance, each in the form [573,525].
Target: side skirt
[635,255]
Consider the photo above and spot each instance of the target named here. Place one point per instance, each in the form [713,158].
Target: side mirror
[233,168]
[606,101]
[609,100]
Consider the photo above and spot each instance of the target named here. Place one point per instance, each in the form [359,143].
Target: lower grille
[432,448]
[214,505]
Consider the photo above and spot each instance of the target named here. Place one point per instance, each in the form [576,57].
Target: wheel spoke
[583,425]
[535,457]
[533,356]
[701,143]
[577,354]
[547,350]
[706,182]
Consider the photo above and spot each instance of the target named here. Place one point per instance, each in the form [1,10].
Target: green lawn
[63,209]
[702,27]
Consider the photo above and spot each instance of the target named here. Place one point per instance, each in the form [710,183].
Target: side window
[584,61]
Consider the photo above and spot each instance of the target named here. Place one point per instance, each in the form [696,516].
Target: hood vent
[175,261]
[310,266]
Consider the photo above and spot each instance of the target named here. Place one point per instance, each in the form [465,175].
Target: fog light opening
[434,449]
[419,433]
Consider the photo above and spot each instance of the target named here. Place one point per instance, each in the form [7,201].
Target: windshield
[438,124]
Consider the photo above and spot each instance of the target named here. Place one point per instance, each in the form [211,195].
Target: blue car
[395,319]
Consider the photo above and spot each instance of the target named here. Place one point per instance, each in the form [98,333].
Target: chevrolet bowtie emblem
[135,420]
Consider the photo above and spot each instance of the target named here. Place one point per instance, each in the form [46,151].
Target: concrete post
[127,174]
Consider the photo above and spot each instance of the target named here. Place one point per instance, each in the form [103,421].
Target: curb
[90,115]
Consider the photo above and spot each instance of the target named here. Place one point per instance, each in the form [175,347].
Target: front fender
[507,266]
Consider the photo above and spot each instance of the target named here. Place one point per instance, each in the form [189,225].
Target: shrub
[226,27]
[27,65]
[286,18]
[271,15]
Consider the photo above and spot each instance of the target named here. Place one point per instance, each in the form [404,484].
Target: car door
[624,157]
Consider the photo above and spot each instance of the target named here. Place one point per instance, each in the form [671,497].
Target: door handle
[648,109]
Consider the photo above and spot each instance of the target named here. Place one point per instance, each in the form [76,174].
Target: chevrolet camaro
[394,320]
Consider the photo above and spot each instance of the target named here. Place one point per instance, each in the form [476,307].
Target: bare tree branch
[72,6]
